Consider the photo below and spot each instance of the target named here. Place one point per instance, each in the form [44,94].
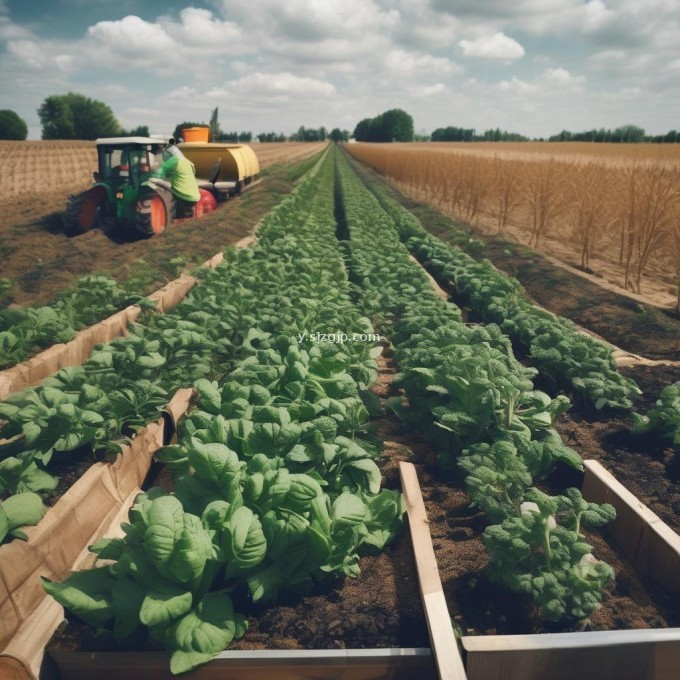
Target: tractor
[127,191]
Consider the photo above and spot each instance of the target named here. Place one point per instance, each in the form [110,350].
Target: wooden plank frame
[76,351]
[58,543]
[650,654]
[351,664]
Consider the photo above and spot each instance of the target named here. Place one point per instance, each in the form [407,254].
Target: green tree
[215,129]
[139,131]
[74,116]
[362,130]
[394,125]
[12,126]
[271,137]
[338,135]
[397,126]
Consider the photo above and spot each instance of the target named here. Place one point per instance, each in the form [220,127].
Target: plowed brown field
[47,167]
[41,260]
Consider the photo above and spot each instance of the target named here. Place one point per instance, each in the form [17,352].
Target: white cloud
[516,86]
[187,44]
[265,85]
[131,36]
[433,90]
[407,63]
[596,15]
[29,53]
[561,76]
[198,28]
[311,20]
[496,46]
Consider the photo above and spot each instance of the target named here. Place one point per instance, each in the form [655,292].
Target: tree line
[456,134]
[74,116]
[394,125]
[626,134]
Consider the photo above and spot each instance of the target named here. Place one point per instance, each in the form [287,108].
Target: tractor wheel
[83,210]
[152,216]
[207,203]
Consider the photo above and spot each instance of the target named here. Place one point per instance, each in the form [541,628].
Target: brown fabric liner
[74,353]
[77,520]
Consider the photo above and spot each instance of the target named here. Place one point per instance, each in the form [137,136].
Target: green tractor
[127,192]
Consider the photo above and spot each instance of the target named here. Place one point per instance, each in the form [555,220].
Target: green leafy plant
[664,419]
[542,553]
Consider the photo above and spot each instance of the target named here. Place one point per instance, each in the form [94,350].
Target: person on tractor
[182,175]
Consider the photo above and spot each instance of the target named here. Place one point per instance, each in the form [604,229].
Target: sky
[530,66]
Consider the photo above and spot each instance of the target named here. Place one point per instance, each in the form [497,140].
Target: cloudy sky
[530,66]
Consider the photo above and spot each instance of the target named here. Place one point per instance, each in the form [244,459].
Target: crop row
[555,345]
[465,390]
[273,489]
[24,330]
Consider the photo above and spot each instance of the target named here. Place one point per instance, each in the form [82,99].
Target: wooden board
[442,637]
[615,655]
[351,664]
[648,542]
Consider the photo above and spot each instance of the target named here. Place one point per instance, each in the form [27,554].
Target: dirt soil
[41,260]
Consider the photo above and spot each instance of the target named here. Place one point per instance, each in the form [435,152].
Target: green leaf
[204,632]
[127,597]
[19,510]
[163,603]
[88,594]
[348,509]
[215,465]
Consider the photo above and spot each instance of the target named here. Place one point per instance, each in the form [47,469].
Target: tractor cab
[128,161]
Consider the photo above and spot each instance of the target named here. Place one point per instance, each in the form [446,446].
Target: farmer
[181,173]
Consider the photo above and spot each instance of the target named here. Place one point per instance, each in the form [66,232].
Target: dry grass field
[609,209]
[569,151]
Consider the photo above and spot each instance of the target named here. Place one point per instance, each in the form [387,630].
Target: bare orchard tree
[673,240]
[544,192]
[476,188]
[589,204]
[506,189]
[647,219]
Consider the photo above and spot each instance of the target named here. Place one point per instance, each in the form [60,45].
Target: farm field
[41,260]
[574,151]
[40,167]
[608,210]
[284,476]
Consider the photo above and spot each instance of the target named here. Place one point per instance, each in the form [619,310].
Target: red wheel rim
[207,203]
[159,217]
[88,209]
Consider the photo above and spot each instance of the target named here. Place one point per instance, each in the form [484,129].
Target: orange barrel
[196,134]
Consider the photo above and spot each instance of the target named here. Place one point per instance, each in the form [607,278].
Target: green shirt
[181,173]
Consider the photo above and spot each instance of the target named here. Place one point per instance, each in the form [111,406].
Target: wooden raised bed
[621,655]
[650,654]
[76,351]
[79,518]
[332,664]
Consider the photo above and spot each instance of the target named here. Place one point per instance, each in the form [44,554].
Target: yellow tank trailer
[222,168]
